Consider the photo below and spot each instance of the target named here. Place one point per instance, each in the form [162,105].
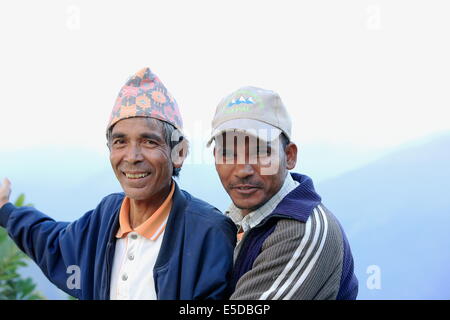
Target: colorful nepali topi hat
[144,95]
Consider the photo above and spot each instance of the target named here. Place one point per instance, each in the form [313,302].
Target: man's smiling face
[141,158]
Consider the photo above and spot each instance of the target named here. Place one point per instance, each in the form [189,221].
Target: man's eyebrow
[145,135]
[118,135]
[153,136]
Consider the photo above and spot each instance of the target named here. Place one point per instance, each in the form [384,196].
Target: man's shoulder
[332,223]
[319,238]
[199,209]
[109,204]
[113,199]
[320,225]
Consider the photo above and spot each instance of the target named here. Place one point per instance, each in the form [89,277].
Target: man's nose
[134,153]
[243,171]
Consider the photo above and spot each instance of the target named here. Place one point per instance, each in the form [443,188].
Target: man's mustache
[246,182]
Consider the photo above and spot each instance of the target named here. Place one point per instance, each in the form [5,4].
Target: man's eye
[150,142]
[263,151]
[228,153]
[118,141]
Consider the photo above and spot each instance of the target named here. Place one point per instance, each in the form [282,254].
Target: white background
[365,74]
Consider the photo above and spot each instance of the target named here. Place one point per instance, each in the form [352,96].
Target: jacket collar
[175,223]
[300,202]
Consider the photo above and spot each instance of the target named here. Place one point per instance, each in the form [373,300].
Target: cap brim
[256,128]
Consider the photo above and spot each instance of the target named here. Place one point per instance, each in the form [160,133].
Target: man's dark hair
[168,131]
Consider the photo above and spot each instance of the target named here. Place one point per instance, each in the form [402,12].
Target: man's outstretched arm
[54,246]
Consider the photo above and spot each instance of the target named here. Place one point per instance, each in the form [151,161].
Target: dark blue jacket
[195,260]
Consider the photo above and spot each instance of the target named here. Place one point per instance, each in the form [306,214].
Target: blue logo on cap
[241,100]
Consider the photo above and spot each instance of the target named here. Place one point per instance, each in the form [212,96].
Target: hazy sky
[361,73]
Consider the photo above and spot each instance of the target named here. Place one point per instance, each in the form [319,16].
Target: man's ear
[179,153]
[291,155]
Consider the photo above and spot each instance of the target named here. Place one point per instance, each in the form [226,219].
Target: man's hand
[5,192]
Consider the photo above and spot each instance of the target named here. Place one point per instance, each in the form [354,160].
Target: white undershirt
[132,270]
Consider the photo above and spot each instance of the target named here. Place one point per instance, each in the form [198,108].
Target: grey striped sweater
[297,252]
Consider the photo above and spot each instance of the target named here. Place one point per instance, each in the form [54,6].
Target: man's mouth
[245,188]
[137,175]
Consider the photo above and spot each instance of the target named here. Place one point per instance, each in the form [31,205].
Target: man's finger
[5,187]
[5,191]
[6,182]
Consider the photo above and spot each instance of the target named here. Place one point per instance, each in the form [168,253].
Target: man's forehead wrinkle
[153,130]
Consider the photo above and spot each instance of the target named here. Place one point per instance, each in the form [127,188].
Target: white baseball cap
[254,111]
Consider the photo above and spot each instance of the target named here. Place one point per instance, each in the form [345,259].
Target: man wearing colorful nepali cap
[290,245]
[151,241]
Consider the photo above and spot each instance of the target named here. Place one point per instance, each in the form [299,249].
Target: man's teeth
[136,175]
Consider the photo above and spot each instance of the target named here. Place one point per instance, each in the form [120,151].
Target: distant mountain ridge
[396,212]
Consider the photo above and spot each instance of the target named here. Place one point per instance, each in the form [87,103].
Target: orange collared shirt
[153,226]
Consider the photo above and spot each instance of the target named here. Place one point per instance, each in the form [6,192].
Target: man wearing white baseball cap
[290,245]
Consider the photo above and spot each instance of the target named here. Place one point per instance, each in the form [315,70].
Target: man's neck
[141,210]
